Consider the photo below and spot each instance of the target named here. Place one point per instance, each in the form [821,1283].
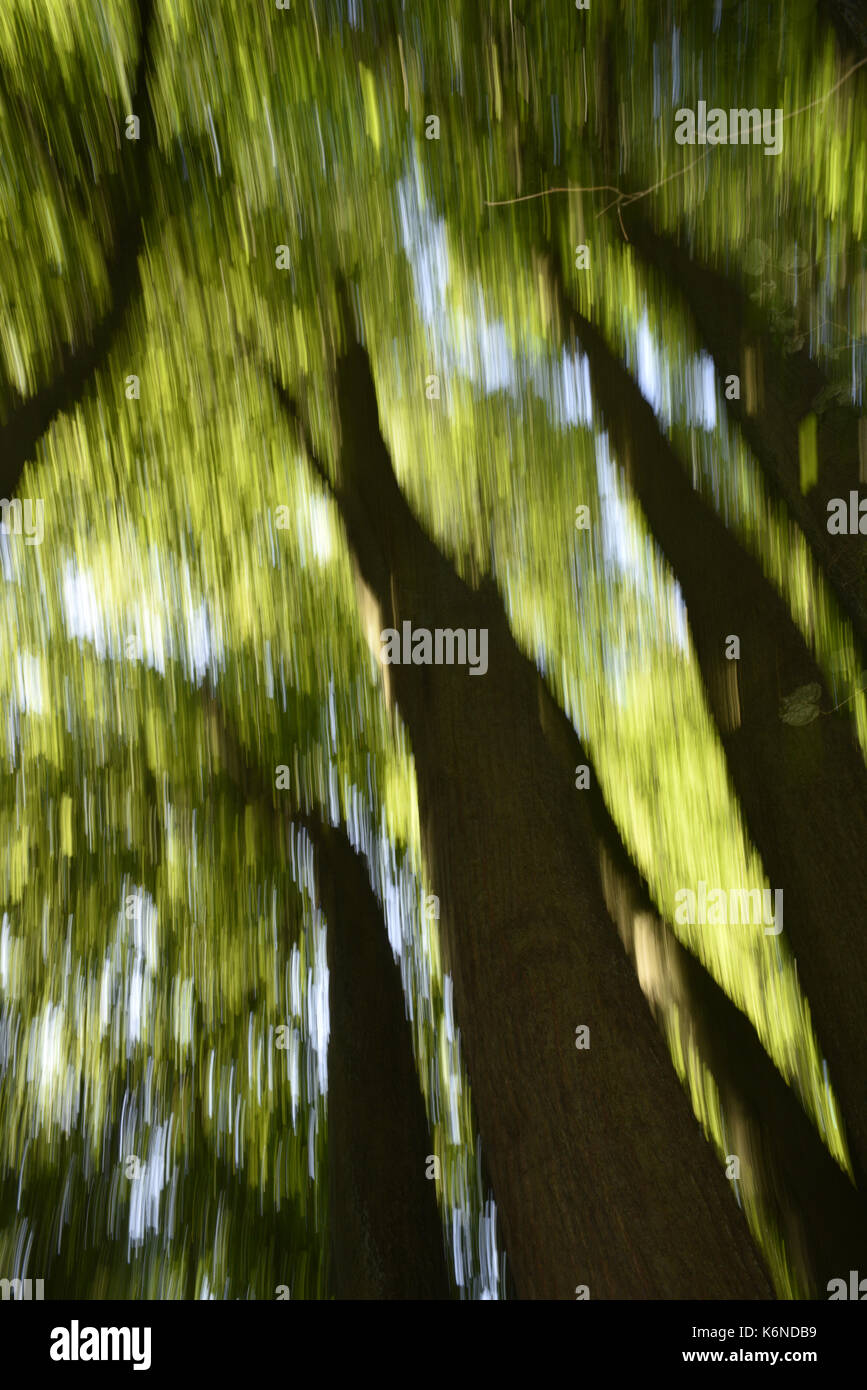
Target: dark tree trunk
[387,1237]
[386,1233]
[730,326]
[600,1171]
[803,789]
[799,1189]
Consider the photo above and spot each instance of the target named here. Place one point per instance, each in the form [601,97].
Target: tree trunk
[799,1189]
[731,326]
[599,1168]
[804,789]
[386,1233]
[387,1237]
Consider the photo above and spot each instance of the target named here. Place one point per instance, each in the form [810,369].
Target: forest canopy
[323,319]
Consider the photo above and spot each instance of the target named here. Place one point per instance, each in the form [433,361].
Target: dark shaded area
[387,1238]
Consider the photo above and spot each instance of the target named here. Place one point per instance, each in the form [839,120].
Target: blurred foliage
[157,927]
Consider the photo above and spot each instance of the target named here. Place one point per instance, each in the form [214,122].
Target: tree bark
[803,789]
[798,1187]
[730,326]
[387,1236]
[599,1168]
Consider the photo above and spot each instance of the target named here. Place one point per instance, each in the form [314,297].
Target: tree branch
[30,420]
